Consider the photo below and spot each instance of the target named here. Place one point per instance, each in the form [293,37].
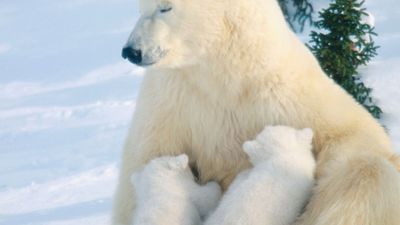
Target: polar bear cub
[167,194]
[278,186]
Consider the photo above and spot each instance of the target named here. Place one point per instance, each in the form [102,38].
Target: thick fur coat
[276,189]
[167,194]
[217,73]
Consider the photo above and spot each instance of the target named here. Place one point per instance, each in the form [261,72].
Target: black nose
[133,55]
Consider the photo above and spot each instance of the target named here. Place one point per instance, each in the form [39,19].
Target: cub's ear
[306,134]
[180,162]
[251,147]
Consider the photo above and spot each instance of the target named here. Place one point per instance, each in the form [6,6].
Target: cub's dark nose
[133,55]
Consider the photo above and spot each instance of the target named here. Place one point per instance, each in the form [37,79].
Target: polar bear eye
[165,9]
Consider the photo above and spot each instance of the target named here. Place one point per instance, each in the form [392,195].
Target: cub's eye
[166,9]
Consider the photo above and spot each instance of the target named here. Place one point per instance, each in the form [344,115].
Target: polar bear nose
[133,55]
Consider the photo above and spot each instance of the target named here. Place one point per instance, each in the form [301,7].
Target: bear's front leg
[137,154]
[361,190]
[156,131]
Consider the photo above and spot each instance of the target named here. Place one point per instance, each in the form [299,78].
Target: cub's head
[279,141]
[172,33]
[164,167]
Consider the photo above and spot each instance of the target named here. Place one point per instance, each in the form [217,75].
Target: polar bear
[218,72]
[167,194]
[276,189]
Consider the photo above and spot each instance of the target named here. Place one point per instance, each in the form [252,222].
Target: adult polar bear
[218,72]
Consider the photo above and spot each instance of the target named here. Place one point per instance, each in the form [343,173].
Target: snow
[18,89]
[4,48]
[66,99]
[71,198]
[383,76]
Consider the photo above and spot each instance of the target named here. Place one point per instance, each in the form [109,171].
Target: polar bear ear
[179,162]
[251,147]
[306,134]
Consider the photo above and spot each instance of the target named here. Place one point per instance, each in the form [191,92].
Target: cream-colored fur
[166,193]
[277,187]
[247,70]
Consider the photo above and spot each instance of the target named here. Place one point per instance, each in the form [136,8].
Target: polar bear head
[163,169]
[177,33]
[170,32]
[279,141]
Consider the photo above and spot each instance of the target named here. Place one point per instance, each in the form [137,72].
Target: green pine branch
[342,44]
[302,14]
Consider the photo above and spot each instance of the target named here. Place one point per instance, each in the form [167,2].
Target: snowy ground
[66,98]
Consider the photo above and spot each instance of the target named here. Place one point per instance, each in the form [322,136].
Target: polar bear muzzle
[133,55]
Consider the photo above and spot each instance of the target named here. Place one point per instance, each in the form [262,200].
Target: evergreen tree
[302,14]
[344,43]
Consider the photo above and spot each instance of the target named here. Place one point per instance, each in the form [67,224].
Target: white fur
[277,187]
[158,36]
[167,194]
[233,67]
